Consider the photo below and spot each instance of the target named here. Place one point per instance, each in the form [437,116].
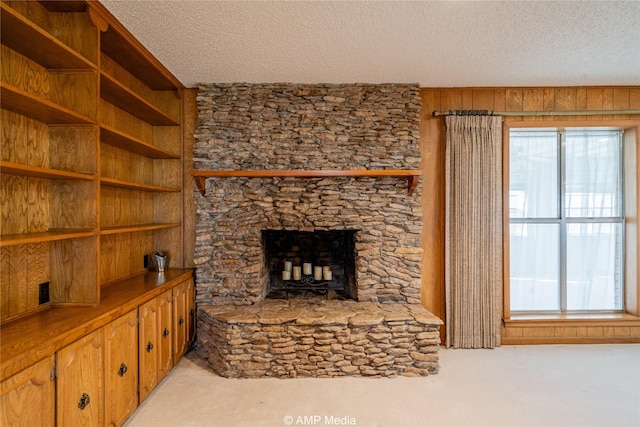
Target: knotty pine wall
[433,165]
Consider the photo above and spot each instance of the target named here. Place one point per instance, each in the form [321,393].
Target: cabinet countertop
[25,341]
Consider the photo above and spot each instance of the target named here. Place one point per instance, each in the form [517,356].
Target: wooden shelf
[46,236]
[27,104]
[411,175]
[111,90]
[135,228]
[38,172]
[121,140]
[135,58]
[118,183]
[31,41]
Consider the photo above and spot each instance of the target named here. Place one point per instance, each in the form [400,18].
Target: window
[566,221]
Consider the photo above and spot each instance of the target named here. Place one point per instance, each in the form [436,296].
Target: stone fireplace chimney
[299,127]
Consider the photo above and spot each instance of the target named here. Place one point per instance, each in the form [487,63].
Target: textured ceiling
[433,43]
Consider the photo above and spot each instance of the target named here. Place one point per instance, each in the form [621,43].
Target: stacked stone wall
[304,339]
[289,126]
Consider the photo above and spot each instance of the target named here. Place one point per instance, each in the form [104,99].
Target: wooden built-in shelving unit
[411,175]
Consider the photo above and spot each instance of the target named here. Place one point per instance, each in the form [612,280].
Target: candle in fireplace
[287,266]
[286,275]
[327,274]
[317,273]
[296,272]
[306,268]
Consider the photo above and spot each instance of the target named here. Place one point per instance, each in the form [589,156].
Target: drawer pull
[165,333]
[122,370]
[84,401]
[149,346]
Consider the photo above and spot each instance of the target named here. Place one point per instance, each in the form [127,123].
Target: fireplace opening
[304,264]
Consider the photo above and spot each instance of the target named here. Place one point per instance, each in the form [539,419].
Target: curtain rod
[531,113]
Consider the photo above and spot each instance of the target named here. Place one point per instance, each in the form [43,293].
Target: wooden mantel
[412,175]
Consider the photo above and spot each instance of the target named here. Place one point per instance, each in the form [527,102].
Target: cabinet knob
[84,401]
[181,321]
[165,333]
[122,370]
[149,346]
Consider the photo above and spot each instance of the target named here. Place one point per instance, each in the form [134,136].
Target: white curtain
[473,250]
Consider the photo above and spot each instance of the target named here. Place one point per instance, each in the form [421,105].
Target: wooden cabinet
[80,382]
[155,348]
[183,317]
[91,123]
[28,398]
[121,368]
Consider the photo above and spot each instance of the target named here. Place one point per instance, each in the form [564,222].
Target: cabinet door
[121,368]
[165,355]
[79,397]
[148,347]
[191,307]
[28,398]
[181,318]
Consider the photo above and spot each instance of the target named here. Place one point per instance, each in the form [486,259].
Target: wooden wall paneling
[108,258]
[189,125]
[25,74]
[483,99]
[14,137]
[5,281]
[71,280]
[599,98]
[107,207]
[74,148]
[18,277]
[38,144]
[513,101]
[169,137]
[38,205]
[565,100]
[433,196]
[533,100]
[73,204]
[76,90]
[621,101]
[39,271]
[170,240]
[140,241]
[76,31]
[14,198]
[122,254]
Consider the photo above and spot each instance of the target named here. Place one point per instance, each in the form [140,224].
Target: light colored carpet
[554,385]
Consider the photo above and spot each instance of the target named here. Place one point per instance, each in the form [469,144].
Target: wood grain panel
[76,31]
[107,258]
[74,148]
[483,99]
[14,137]
[513,99]
[533,100]
[123,255]
[38,144]
[13,195]
[38,205]
[169,137]
[189,126]
[28,398]
[81,196]
[5,281]
[18,277]
[76,91]
[81,372]
[71,281]
[39,271]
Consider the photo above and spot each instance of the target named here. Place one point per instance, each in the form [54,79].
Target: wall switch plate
[43,293]
[146,261]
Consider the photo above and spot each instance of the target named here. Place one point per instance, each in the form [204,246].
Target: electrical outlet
[43,293]
[146,261]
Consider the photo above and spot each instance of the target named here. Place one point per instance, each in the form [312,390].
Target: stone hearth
[304,338]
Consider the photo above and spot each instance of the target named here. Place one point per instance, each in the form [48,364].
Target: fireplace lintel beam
[412,175]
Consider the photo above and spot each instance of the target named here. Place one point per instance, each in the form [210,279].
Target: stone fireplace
[246,228]
[328,255]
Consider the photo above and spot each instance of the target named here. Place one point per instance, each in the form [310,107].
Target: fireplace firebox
[310,263]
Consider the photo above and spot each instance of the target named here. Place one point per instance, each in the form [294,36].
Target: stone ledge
[319,338]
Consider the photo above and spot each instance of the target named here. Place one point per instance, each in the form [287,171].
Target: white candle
[286,275]
[306,268]
[296,272]
[317,273]
[287,266]
[326,268]
[327,274]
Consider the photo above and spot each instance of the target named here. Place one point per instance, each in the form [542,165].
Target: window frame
[631,286]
